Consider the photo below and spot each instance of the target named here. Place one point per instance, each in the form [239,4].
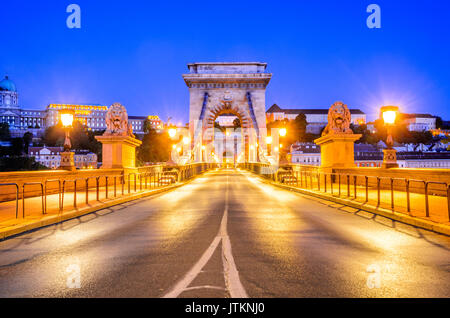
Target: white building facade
[419,122]
[317,119]
[51,157]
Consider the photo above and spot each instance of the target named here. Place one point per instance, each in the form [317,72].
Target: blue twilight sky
[134,52]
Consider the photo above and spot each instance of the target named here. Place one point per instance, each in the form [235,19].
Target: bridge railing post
[408,201]
[448,201]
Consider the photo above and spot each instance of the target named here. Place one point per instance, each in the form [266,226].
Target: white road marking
[231,274]
[205,286]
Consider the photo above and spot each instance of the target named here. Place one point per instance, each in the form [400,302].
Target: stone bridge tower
[237,88]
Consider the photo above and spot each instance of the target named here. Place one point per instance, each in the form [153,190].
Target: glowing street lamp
[282,132]
[67,157]
[389,115]
[172,132]
[67,118]
[67,121]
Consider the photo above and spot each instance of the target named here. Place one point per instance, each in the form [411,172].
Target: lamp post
[67,162]
[389,115]
[282,132]
[269,144]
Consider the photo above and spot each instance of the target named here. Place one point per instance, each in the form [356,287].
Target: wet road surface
[226,234]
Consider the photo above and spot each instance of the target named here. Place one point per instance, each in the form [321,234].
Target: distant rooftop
[418,116]
[315,111]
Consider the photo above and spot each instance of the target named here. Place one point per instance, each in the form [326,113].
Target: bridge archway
[227,88]
[233,142]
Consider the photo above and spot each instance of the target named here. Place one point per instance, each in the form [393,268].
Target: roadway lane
[227,234]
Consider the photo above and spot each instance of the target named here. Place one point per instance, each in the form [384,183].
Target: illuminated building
[19,120]
[92,116]
[155,122]
[369,156]
[51,157]
[419,122]
[316,118]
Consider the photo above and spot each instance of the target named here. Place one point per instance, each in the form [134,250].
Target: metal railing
[135,182]
[420,198]
[17,195]
[59,193]
[23,196]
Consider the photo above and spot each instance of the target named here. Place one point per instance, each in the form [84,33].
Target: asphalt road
[226,234]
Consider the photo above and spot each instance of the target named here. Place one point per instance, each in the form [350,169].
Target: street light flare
[67,119]
[283,132]
[389,114]
[172,132]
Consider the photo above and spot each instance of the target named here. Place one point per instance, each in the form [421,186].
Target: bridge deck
[227,233]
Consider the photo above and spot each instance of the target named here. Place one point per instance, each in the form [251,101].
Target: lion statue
[117,121]
[339,118]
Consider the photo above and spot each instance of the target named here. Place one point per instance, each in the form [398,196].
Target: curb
[395,216]
[55,219]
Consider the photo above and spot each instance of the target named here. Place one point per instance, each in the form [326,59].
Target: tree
[20,164]
[80,137]
[53,136]
[27,139]
[367,136]
[402,134]
[155,147]
[147,126]
[217,126]
[17,146]
[4,131]
[439,123]
[236,123]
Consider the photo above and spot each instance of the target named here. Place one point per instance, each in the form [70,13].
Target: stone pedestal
[67,162]
[389,158]
[119,152]
[337,150]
